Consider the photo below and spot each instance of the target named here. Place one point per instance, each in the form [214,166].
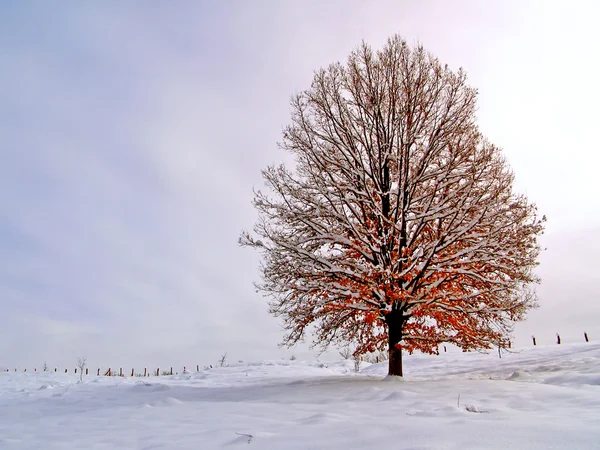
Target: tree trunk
[395,323]
[395,361]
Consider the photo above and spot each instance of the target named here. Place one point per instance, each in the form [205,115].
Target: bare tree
[346,353]
[81,364]
[398,227]
[223,360]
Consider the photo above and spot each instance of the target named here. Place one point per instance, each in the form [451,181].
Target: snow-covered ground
[538,398]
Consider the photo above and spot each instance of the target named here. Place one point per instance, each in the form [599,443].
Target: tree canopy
[397,227]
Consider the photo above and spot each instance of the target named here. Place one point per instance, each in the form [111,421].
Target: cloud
[132,138]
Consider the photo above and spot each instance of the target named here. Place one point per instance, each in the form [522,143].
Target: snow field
[538,398]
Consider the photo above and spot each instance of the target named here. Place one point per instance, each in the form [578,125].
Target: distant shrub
[375,357]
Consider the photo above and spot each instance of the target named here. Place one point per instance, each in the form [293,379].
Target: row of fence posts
[109,372]
[558,341]
[157,373]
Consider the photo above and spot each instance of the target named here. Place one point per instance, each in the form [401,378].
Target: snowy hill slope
[537,398]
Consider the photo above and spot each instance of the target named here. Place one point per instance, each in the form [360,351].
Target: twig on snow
[249,436]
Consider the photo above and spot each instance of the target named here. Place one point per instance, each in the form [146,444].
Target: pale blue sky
[132,135]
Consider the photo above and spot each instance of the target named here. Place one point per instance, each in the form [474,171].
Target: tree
[397,228]
[346,353]
[81,363]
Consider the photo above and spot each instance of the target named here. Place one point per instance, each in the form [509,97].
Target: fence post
[120,371]
[171,371]
[87,371]
[586,337]
[98,371]
[144,371]
[558,338]
[132,372]
[75,369]
[157,371]
[197,367]
[533,337]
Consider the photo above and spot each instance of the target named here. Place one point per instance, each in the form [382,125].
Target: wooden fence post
[120,371]
[87,371]
[171,371]
[144,371]
[558,338]
[98,371]
[132,372]
[157,371]
[533,337]
[586,337]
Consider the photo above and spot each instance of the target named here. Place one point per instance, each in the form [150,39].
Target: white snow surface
[535,398]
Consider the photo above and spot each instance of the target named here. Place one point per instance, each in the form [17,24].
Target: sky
[132,136]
